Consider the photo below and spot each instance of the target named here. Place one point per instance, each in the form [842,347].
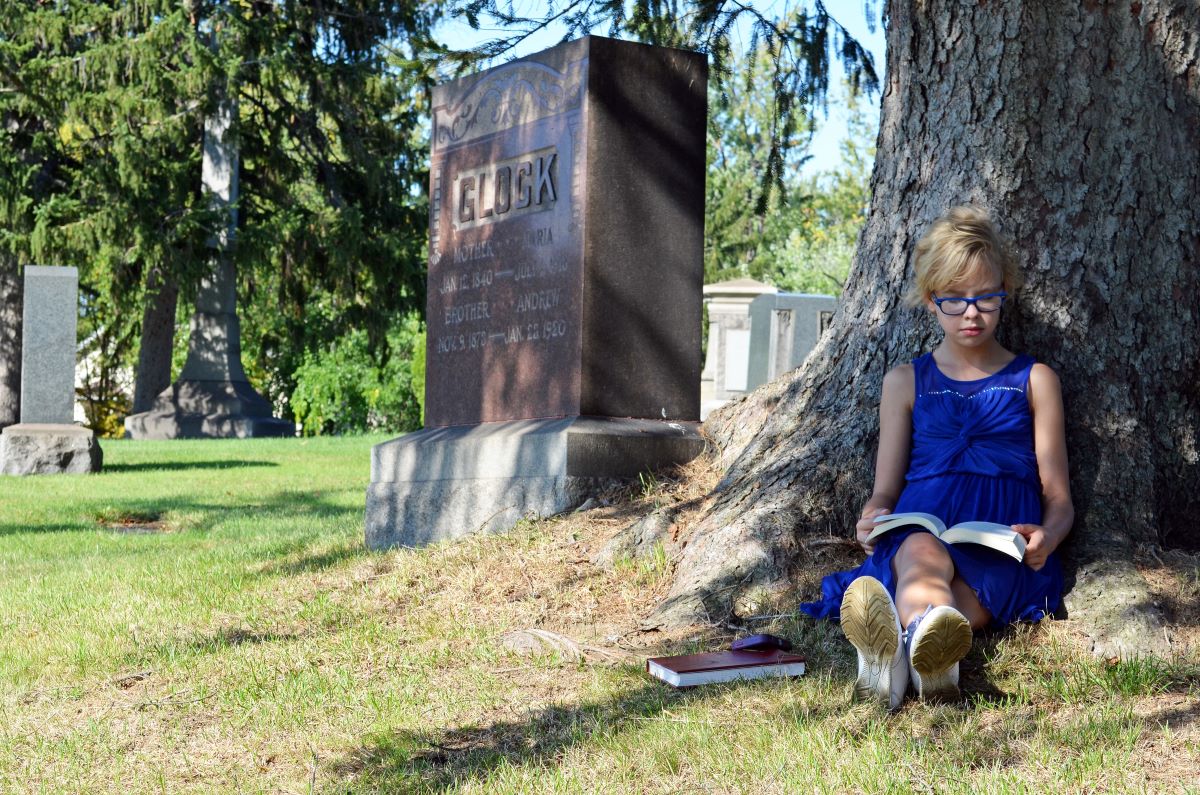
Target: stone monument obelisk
[213,398]
[565,270]
[47,440]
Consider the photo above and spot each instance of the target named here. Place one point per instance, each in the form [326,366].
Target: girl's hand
[867,524]
[1038,544]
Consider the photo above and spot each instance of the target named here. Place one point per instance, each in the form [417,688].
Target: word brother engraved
[566,234]
[564,296]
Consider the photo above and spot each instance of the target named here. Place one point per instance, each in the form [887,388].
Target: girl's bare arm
[1050,447]
[895,440]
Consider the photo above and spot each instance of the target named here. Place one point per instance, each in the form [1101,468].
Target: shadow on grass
[169,466]
[310,563]
[1186,712]
[8,529]
[439,760]
[184,514]
[985,730]
[231,637]
[978,687]
[216,642]
[291,502]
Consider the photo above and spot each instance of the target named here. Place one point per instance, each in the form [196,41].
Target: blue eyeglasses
[957,306]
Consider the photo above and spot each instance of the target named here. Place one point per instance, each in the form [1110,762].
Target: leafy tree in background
[738,229]
[333,102]
[342,388]
[796,51]
[762,220]
[60,205]
[103,105]
[816,254]
[805,239]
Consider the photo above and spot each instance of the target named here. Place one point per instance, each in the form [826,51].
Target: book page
[989,534]
[893,520]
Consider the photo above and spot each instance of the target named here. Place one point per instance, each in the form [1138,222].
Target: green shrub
[343,388]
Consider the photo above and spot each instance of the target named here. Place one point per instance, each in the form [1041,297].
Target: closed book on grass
[724,666]
[999,537]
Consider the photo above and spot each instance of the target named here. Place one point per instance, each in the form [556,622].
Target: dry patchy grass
[333,669]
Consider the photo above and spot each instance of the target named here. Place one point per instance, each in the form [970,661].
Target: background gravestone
[727,361]
[565,269]
[784,328]
[213,398]
[47,441]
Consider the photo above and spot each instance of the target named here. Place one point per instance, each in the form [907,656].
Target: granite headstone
[784,328]
[565,269]
[49,318]
[46,440]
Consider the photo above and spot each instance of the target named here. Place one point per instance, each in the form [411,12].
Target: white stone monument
[47,441]
[213,398]
[727,361]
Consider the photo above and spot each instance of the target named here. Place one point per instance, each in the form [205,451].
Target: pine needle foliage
[798,46]
[102,107]
[100,113]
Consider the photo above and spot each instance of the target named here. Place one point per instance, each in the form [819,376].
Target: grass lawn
[203,617]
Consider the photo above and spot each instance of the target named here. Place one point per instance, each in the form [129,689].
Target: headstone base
[445,483]
[207,410]
[49,449]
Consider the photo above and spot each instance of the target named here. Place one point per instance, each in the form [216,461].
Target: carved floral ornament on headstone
[508,97]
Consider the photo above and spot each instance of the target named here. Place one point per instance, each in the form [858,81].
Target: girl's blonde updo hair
[955,247]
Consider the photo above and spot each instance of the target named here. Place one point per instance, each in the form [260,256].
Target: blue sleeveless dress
[972,459]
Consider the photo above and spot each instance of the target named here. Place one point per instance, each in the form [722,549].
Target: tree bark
[158,338]
[12,296]
[1077,125]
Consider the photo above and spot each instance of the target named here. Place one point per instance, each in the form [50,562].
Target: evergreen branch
[318,158]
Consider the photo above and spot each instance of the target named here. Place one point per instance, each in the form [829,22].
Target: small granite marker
[47,441]
[565,268]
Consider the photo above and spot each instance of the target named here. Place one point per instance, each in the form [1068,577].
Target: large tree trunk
[1078,125]
[158,338]
[12,294]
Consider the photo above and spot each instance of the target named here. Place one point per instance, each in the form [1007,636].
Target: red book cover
[724,666]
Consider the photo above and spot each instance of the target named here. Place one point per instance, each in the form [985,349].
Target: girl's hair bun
[956,246]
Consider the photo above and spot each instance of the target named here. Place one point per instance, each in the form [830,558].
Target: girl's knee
[922,550]
[923,545]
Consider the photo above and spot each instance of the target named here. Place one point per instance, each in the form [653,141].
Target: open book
[1000,537]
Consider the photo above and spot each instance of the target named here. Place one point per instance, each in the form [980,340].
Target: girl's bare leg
[967,603]
[925,576]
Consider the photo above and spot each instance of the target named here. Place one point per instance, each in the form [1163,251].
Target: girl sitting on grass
[970,431]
